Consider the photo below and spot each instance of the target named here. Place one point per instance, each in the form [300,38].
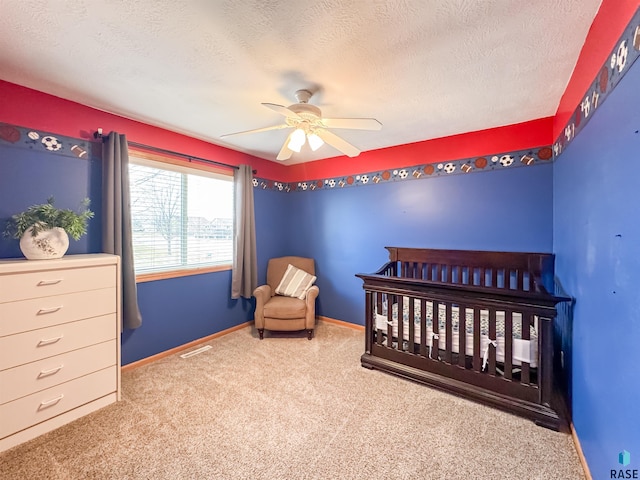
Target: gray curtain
[244,276]
[116,222]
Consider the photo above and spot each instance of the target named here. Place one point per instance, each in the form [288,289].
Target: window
[182,217]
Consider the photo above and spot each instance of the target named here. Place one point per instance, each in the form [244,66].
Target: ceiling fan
[309,125]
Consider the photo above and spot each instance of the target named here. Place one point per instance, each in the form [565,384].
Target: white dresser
[59,342]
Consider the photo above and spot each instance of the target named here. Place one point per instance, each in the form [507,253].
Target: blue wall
[346,230]
[597,243]
[29,177]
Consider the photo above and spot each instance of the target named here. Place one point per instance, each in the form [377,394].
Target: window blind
[181,218]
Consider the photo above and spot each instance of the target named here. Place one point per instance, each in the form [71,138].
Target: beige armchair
[280,313]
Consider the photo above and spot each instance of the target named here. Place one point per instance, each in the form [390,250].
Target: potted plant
[44,230]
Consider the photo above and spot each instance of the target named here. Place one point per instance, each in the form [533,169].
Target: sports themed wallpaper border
[38,140]
[623,55]
[626,51]
[520,158]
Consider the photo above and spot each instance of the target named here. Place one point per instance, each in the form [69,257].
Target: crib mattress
[522,350]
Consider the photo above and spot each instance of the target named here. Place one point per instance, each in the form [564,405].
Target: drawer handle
[43,283]
[49,403]
[51,371]
[44,311]
[49,341]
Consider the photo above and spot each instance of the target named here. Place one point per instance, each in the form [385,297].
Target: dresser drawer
[46,342]
[37,376]
[45,283]
[38,407]
[25,315]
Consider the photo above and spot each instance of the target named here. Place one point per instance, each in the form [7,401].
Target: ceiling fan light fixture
[308,124]
[315,142]
[297,140]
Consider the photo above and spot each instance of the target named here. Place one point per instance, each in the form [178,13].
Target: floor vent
[196,351]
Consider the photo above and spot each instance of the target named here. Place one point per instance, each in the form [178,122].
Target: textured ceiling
[423,68]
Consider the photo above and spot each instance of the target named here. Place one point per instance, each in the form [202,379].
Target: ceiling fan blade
[285,152]
[256,130]
[353,123]
[282,110]
[337,142]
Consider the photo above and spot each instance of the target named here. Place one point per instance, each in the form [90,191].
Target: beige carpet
[289,408]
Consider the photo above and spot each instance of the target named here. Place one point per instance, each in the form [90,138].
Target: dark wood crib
[474,323]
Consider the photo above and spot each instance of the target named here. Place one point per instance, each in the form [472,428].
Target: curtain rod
[98,135]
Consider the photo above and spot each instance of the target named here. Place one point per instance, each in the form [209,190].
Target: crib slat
[378,333]
[412,324]
[492,336]
[526,335]
[400,322]
[483,278]
[520,283]
[545,360]
[494,277]
[438,273]
[462,335]
[449,339]
[448,274]
[435,325]
[508,344]
[369,320]
[423,327]
[477,361]
[390,299]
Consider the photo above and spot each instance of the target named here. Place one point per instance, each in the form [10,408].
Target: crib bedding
[522,350]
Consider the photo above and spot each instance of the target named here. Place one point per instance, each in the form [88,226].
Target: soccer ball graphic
[403,174]
[331,183]
[585,106]
[254,182]
[449,168]
[51,143]
[619,60]
[506,160]
[364,178]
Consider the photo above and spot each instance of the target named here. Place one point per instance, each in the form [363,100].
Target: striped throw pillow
[295,283]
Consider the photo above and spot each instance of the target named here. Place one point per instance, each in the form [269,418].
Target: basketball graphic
[9,133]
[604,79]
[545,153]
[481,162]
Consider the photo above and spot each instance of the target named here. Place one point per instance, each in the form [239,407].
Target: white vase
[52,243]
